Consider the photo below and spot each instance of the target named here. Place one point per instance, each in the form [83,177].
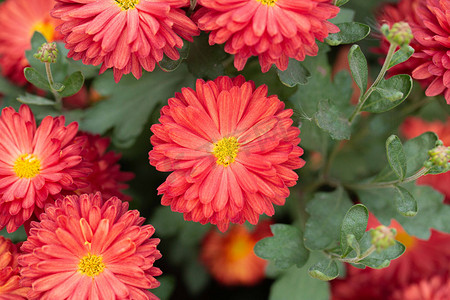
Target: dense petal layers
[232,151]
[106,176]
[274,31]
[124,35]
[436,288]
[35,163]
[230,258]
[88,248]
[18,21]
[9,272]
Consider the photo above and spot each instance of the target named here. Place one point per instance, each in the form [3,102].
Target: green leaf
[350,32]
[72,84]
[130,103]
[382,259]
[358,65]
[324,270]
[17,236]
[166,288]
[405,202]
[36,79]
[296,284]
[36,41]
[416,151]
[401,55]
[383,97]
[353,244]
[326,212]
[292,251]
[169,65]
[340,2]
[331,119]
[7,88]
[354,223]
[295,74]
[35,100]
[432,213]
[344,15]
[396,156]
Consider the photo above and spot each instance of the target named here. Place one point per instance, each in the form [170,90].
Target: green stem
[58,99]
[386,184]
[365,96]
[352,260]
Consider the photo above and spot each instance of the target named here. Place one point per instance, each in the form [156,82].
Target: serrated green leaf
[354,223]
[405,202]
[292,252]
[350,32]
[324,270]
[358,66]
[72,84]
[35,100]
[378,101]
[382,259]
[403,54]
[396,156]
[295,74]
[332,120]
[326,212]
[36,79]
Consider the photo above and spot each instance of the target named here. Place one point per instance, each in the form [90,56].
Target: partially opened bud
[400,33]
[383,237]
[47,53]
[440,156]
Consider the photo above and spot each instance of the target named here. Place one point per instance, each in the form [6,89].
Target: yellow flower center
[226,151]
[47,29]
[268,2]
[127,4]
[91,265]
[405,239]
[27,166]
[240,246]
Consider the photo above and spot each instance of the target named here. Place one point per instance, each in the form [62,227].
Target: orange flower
[10,288]
[230,258]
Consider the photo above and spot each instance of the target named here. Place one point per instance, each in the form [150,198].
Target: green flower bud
[400,33]
[383,237]
[440,156]
[47,53]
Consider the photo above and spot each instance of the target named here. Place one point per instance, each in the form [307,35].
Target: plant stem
[352,260]
[386,184]
[58,99]
[365,96]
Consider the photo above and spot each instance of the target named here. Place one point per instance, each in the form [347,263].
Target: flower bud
[383,237]
[400,33]
[47,53]
[440,156]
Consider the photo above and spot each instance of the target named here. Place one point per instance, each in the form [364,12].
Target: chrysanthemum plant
[231,140]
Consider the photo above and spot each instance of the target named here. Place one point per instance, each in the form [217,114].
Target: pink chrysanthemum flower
[19,19]
[88,248]
[436,288]
[126,35]
[273,30]
[10,288]
[230,258]
[36,163]
[231,148]
[106,176]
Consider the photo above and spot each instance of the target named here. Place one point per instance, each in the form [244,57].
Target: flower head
[232,151]
[19,19]
[126,35]
[9,272]
[36,163]
[88,248]
[273,30]
[436,288]
[230,258]
[47,53]
[106,176]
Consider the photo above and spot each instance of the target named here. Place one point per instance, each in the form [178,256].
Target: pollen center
[268,2]
[240,247]
[226,151]
[27,166]
[127,4]
[405,239]
[47,29]
[91,265]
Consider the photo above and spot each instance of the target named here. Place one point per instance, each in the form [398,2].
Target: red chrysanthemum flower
[10,288]
[126,35]
[230,258]
[422,259]
[88,248]
[273,30]
[413,127]
[436,288]
[36,163]
[106,176]
[231,148]
[19,19]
